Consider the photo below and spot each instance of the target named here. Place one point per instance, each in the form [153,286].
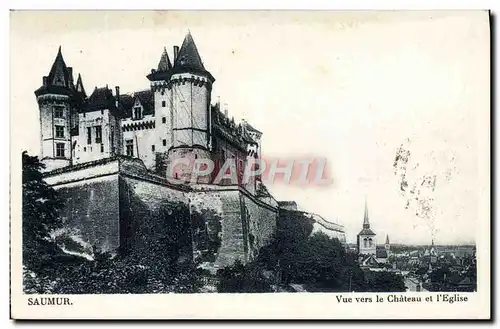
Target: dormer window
[137,113]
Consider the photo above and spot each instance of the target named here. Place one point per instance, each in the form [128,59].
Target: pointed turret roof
[188,56]
[79,86]
[387,239]
[188,60]
[164,64]
[59,75]
[59,80]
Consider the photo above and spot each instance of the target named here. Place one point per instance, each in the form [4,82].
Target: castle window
[137,113]
[98,134]
[89,135]
[129,146]
[164,142]
[162,93]
[163,120]
[112,139]
[59,131]
[84,149]
[163,103]
[102,148]
[58,112]
[152,148]
[60,150]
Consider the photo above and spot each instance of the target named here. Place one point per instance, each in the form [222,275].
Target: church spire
[387,239]
[366,222]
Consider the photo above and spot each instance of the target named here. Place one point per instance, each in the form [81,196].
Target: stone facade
[110,200]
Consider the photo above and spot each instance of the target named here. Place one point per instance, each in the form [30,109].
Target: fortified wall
[111,201]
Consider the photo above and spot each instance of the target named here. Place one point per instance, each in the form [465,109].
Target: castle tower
[56,102]
[163,102]
[367,244]
[191,87]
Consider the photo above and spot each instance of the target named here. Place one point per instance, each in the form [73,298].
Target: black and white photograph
[206,155]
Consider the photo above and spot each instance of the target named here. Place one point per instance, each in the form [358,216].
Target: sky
[351,87]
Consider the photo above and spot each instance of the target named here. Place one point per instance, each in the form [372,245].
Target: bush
[240,278]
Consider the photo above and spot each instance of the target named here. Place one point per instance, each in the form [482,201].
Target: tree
[41,207]
[239,278]
[318,261]
[385,282]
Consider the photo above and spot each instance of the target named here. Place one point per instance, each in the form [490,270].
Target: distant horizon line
[468,244]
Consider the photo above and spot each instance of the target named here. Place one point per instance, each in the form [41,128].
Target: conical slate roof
[59,80]
[79,86]
[188,56]
[164,64]
[188,60]
[59,75]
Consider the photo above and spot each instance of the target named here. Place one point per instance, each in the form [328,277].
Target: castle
[369,253]
[110,154]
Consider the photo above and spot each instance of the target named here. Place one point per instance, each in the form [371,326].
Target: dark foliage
[239,278]
[317,262]
[385,282]
[40,208]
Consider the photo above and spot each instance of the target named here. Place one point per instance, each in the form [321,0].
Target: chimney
[218,103]
[70,76]
[45,81]
[176,52]
[244,125]
[225,110]
[117,97]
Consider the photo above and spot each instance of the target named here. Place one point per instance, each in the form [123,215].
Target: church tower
[367,244]
[57,103]
[387,245]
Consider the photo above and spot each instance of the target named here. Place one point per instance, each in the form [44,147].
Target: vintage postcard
[250,164]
